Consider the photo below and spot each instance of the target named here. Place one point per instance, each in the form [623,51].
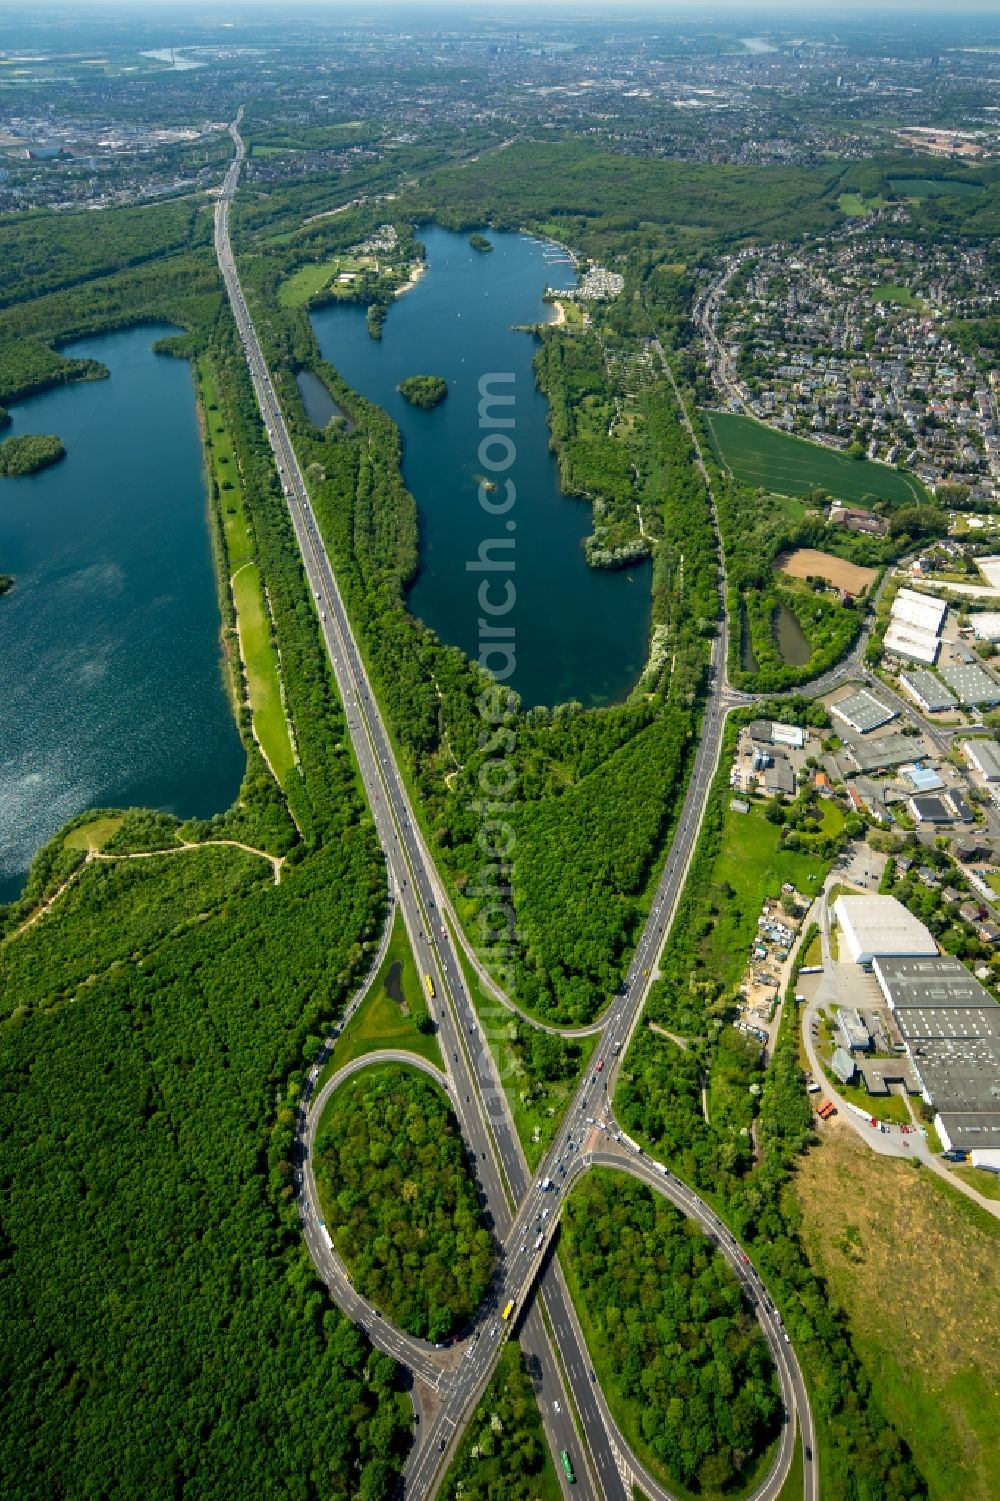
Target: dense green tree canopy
[29,452]
[423,390]
[678,1351]
[399,1202]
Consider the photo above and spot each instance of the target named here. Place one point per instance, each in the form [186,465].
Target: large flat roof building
[950,807]
[951,1027]
[974,1131]
[862,711]
[986,625]
[971,683]
[874,926]
[908,641]
[984,755]
[885,752]
[924,612]
[929,691]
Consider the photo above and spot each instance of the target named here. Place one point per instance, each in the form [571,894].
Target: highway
[523,1213]
[476,1090]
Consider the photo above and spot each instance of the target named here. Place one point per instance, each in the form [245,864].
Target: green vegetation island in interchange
[28,453]
[424,390]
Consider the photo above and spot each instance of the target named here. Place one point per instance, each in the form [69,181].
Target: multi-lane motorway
[524,1213]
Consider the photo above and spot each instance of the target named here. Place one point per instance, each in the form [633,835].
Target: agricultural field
[914,1267]
[809,562]
[758,455]
[933,187]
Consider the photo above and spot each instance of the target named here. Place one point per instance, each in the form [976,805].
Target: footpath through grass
[253,623]
[95,834]
[759,455]
[260,661]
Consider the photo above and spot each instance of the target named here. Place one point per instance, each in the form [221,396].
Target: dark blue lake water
[579,632]
[111,675]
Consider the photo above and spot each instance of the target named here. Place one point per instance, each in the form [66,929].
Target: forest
[398,1199]
[581,867]
[679,1354]
[165,1329]
[43,252]
[28,453]
[604,204]
[592,463]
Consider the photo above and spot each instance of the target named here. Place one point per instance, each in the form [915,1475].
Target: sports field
[758,455]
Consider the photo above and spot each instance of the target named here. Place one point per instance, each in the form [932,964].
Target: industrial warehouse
[951,1028]
[880,926]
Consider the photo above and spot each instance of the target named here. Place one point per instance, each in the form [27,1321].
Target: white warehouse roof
[880,926]
[910,641]
[986,625]
[984,755]
[925,611]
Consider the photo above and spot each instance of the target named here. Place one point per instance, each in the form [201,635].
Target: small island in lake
[480,242]
[29,453]
[423,390]
[6,583]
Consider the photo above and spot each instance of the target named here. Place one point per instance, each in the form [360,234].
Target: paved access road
[523,1213]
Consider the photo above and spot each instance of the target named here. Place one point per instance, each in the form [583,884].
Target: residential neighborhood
[849,340]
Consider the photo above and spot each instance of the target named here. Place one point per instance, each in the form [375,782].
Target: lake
[110,670]
[580,633]
[317,402]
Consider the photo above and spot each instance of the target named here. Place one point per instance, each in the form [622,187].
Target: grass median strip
[393,1015]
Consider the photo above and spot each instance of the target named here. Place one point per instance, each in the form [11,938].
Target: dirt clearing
[808,562]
